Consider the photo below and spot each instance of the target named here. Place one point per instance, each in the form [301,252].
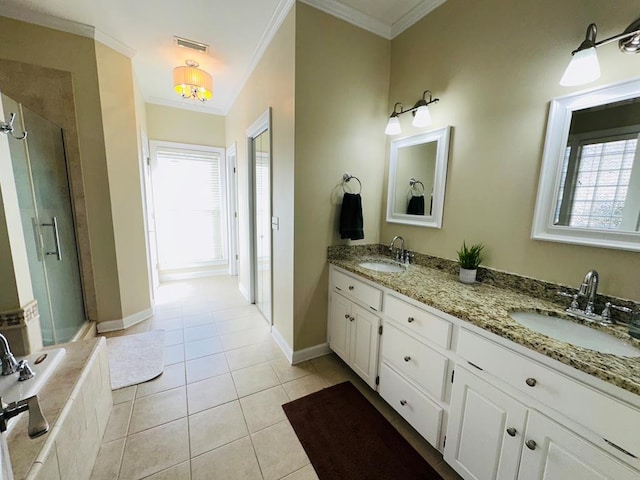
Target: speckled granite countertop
[488,307]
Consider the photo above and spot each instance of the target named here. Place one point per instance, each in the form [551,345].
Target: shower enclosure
[44,199]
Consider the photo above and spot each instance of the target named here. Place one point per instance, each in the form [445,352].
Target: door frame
[259,126]
[232,206]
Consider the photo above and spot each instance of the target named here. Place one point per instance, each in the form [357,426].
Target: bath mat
[135,358]
[345,437]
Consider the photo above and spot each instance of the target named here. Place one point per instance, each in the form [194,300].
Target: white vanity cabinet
[353,328]
[496,429]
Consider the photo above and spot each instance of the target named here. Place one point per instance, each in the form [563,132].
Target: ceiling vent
[183,42]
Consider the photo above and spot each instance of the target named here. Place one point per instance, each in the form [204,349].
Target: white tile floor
[215,412]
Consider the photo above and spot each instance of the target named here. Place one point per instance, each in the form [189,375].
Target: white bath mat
[135,358]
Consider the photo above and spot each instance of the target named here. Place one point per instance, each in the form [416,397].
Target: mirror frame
[441,136]
[558,125]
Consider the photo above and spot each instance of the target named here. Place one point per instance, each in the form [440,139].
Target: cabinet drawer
[419,321]
[615,421]
[423,365]
[423,414]
[358,290]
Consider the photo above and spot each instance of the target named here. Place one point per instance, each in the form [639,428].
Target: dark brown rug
[346,438]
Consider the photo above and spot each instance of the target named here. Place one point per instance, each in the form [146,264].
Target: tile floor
[215,412]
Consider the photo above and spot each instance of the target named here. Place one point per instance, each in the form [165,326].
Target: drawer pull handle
[403,402]
[531,444]
[351,287]
[531,382]
[511,431]
[411,319]
[346,315]
[407,358]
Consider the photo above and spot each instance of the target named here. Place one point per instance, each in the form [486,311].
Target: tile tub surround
[487,306]
[77,402]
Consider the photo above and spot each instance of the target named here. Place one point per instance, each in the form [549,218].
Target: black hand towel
[416,205]
[351,225]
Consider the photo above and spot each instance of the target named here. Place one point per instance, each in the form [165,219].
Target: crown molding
[414,15]
[186,104]
[64,25]
[280,14]
[352,16]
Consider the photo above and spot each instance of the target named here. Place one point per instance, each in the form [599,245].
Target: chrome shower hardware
[7,128]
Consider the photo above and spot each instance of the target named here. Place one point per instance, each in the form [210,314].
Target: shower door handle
[56,238]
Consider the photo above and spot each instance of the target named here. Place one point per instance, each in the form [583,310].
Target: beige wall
[185,126]
[117,100]
[495,65]
[342,83]
[270,85]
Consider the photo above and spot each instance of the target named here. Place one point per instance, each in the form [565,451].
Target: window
[595,179]
[189,194]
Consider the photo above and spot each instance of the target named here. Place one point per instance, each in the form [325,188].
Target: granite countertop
[487,306]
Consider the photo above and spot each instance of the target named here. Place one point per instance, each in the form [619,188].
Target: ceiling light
[584,67]
[421,114]
[191,82]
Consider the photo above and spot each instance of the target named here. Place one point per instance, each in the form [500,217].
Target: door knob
[511,431]
[531,444]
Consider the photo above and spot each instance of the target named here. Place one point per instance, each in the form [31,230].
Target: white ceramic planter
[468,276]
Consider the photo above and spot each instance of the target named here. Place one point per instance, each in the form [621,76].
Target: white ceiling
[237,31]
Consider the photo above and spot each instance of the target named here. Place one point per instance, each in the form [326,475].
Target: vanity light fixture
[191,82]
[584,67]
[421,114]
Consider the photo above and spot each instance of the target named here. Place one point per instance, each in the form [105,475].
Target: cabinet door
[485,428]
[364,344]
[560,454]
[340,326]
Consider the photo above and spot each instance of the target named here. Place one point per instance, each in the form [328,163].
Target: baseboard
[282,343]
[88,330]
[305,354]
[171,277]
[130,321]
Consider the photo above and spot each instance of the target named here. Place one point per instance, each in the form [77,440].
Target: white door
[364,344]
[340,326]
[484,434]
[554,453]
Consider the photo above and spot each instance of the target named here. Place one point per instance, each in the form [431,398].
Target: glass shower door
[40,170]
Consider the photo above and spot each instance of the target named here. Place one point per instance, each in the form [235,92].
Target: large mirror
[589,190]
[417,177]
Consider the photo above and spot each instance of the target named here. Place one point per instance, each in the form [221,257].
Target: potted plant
[469,259]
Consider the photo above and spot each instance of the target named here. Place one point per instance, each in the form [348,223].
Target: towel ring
[345,179]
[413,182]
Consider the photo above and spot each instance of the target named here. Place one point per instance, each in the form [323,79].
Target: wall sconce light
[584,67]
[191,82]
[421,114]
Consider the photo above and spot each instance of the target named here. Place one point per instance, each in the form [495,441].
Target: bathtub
[11,390]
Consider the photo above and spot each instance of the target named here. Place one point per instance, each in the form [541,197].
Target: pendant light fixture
[421,114]
[584,66]
[191,82]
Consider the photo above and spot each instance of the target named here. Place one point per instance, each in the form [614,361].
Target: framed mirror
[417,177]
[589,188]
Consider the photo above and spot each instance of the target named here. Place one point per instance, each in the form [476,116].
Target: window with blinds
[595,180]
[189,195]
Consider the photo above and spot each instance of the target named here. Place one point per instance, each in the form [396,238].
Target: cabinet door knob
[352,318]
[531,382]
[351,287]
[411,319]
[403,402]
[531,444]
[511,431]
[346,315]
[407,358]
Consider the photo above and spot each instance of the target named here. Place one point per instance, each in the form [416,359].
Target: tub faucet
[9,362]
[400,254]
[589,289]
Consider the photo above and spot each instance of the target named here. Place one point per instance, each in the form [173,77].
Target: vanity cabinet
[496,430]
[353,328]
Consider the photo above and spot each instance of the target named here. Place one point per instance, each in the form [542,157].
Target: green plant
[470,257]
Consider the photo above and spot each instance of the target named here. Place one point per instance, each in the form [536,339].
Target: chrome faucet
[401,254]
[589,289]
[9,362]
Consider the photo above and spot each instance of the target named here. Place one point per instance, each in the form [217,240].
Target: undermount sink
[383,267]
[575,333]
